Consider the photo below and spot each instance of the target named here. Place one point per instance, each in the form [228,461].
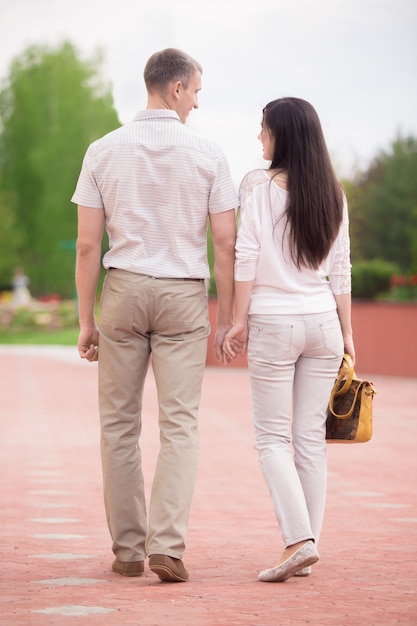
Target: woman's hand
[236,341]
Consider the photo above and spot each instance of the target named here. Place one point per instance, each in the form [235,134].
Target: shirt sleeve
[223,196]
[87,192]
[340,273]
[248,237]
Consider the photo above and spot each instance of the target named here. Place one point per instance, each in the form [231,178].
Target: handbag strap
[352,407]
[347,371]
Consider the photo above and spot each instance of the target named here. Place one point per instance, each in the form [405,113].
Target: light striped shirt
[157,181]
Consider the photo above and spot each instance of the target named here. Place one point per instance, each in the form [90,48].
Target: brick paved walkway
[55,548]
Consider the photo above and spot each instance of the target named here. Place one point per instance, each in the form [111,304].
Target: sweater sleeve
[340,273]
[248,237]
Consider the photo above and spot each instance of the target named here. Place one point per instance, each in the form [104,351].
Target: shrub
[46,315]
[372,278]
[403,288]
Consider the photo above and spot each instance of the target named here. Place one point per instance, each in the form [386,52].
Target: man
[153,184]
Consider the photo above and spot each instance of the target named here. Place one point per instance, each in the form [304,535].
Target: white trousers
[293,362]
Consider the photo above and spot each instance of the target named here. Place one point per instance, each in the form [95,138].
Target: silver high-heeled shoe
[305,556]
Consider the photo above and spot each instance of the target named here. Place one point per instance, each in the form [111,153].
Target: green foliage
[372,278]
[414,247]
[37,316]
[383,207]
[61,337]
[354,194]
[51,107]
[11,237]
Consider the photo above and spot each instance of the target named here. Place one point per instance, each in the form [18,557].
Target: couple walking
[283,287]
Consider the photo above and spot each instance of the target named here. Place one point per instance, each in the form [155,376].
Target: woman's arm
[344,307]
[236,340]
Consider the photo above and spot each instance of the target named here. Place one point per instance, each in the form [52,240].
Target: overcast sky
[354,60]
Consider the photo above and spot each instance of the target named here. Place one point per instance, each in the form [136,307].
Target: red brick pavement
[55,548]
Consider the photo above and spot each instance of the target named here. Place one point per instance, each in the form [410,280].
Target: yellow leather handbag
[349,415]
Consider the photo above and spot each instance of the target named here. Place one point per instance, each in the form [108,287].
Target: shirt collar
[156,114]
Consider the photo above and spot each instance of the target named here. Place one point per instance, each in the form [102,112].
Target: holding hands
[236,341]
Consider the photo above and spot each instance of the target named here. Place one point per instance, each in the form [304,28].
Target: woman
[293,314]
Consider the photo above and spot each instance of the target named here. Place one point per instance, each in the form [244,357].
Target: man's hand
[88,342]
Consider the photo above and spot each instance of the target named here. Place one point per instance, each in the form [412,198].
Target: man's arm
[87,273]
[223,233]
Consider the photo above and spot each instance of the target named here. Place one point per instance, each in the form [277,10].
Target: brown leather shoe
[128,568]
[168,569]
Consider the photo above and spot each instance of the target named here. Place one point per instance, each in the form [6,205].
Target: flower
[398,281]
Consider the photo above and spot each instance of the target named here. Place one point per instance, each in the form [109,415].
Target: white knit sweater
[263,254]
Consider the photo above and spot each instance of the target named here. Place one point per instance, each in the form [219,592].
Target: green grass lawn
[64,337]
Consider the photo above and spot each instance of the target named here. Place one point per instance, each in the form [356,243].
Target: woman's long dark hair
[315,206]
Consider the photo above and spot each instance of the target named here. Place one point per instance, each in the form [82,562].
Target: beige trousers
[142,316]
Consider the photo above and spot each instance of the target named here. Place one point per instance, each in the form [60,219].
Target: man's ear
[176,87]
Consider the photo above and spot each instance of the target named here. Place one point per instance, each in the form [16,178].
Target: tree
[52,106]
[354,194]
[10,242]
[384,207]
